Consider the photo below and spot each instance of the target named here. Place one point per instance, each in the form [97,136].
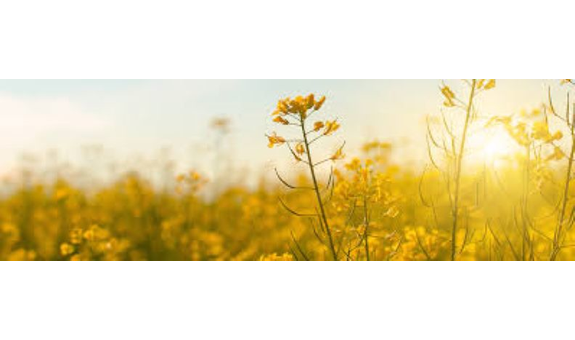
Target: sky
[135,121]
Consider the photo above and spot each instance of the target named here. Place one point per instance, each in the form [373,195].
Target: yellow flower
[282,107]
[297,106]
[300,149]
[557,136]
[89,235]
[319,103]
[330,127]
[338,154]
[310,102]
[541,132]
[318,126]
[281,120]
[480,83]
[490,84]
[66,249]
[274,140]
[486,86]
[449,96]
[556,155]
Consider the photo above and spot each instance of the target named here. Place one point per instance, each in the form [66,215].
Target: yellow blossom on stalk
[480,83]
[300,109]
[338,154]
[282,107]
[449,96]
[300,149]
[310,101]
[330,127]
[319,103]
[556,155]
[274,140]
[566,81]
[556,136]
[490,84]
[66,249]
[281,120]
[540,131]
[485,84]
[297,107]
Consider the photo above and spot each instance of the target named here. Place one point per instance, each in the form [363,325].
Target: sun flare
[492,147]
[497,147]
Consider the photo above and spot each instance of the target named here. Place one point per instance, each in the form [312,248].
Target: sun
[491,146]
[497,147]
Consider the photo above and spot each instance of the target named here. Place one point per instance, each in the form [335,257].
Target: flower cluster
[296,112]
[528,128]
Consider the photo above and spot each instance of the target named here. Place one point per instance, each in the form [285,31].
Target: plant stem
[366,232]
[526,238]
[459,161]
[323,217]
[559,228]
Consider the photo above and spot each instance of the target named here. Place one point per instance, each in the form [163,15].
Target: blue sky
[140,117]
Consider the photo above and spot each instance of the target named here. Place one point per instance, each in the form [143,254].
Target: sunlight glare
[493,146]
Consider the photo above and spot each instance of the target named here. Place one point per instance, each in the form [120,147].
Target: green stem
[323,217]
[366,232]
[559,228]
[526,238]
[458,165]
